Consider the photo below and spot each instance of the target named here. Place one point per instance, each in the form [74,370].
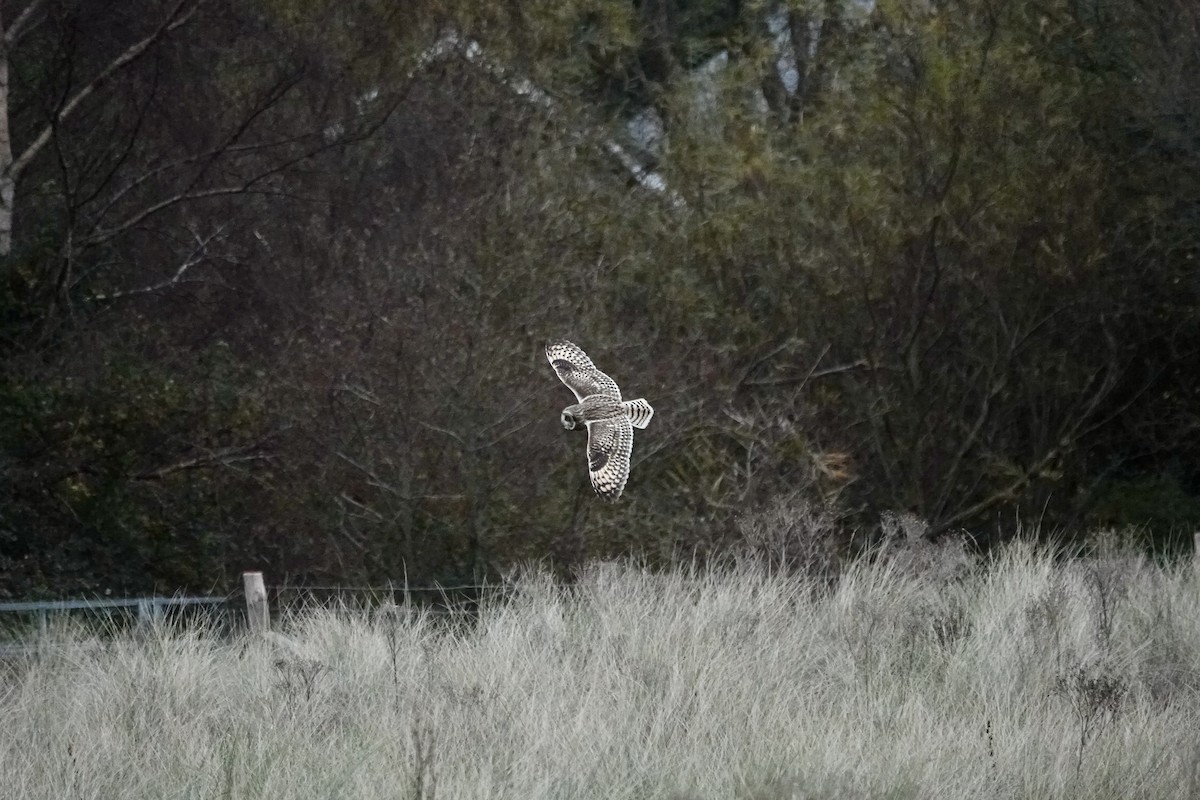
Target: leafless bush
[906,543]
[796,535]
[1046,618]
[298,677]
[1096,693]
[1106,575]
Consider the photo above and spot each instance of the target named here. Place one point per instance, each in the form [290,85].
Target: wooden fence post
[148,611]
[257,612]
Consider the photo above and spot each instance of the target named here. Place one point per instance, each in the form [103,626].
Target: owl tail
[639,412]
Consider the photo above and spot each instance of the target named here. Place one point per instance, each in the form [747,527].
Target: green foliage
[115,473]
[1160,502]
[951,273]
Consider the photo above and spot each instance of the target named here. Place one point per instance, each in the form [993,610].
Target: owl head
[569,420]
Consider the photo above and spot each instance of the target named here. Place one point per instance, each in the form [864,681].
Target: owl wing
[610,443]
[578,372]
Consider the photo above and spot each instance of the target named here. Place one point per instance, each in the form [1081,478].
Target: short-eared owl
[609,419]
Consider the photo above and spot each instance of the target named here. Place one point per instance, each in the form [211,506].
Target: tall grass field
[1023,676]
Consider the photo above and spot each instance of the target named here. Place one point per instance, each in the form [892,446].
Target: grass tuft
[1027,676]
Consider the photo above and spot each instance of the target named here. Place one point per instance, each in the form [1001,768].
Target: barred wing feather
[577,371]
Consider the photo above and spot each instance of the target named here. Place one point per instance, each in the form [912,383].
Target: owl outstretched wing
[610,443]
[577,371]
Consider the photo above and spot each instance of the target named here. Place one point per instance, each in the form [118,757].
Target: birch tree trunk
[7,178]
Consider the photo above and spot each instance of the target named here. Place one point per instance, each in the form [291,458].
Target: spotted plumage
[609,419]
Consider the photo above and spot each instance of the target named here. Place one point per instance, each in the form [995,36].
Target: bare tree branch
[175,199]
[220,458]
[198,255]
[99,235]
[174,20]
[23,20]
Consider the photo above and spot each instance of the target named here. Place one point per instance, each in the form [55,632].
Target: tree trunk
[7,179]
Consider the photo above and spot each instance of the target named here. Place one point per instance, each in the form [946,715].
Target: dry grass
[1024,678]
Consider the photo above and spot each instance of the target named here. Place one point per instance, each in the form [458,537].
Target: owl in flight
[609,419]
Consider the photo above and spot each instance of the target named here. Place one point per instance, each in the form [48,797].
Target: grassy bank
[1021,678]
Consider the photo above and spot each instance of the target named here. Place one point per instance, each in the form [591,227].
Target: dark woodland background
[279,280]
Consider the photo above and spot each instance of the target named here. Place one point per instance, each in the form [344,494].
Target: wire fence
[24,624]
[436,599]
[21,622]
[146,609]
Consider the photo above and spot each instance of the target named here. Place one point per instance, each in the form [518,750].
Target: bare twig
[220,458]
[197,256]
